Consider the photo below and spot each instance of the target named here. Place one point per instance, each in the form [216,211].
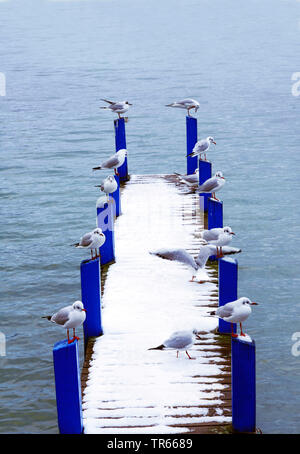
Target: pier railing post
[243,385]
[204,174]
[91,298]
[191,139]
[117,197]
[105,220]
[120,141]
[215,213]
[68,387]
[228,285]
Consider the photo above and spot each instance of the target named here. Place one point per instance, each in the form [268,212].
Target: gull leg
[221,252]
[92,254]
[69,341]
[74,336]
[177,354]
[192,280]
[242,334]
[189,355]
[232,333]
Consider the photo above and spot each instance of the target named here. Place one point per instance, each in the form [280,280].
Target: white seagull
[179,340]
[187,103]
[198,264]
[202,146]
[212,185]
[70,317]
[114,162]
[235,312]
[220,236]
[118,107]
[92,240]
[109,185]
[191,179]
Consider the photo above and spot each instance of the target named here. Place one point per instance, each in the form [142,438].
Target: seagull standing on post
[187,103]
[235,312]
[219,236]
[201,147]
[212,185]
[70,317]
[92,240]
[118,107]
[114,162]
[108,186]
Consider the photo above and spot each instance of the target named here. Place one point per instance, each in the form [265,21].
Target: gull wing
[179,255]
[179,339]
[208,185]
[204,253]
[226,310]
[110,163]
[201,145]
[86,240]
[62,316]
[109,102]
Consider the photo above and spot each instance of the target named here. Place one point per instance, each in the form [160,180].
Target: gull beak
[214,142]
[254,304]
[232,233]
[129,104]
[84,310]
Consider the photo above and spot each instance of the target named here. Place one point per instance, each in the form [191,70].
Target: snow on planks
[127,388]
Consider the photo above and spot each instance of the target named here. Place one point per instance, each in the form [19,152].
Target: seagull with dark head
[118,107]
[187,103]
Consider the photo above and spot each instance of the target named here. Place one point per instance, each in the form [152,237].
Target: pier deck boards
[127,388]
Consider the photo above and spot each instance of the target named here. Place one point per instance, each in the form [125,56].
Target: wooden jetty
[137,300]
[126,388]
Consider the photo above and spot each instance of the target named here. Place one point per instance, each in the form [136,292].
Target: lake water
[59,59]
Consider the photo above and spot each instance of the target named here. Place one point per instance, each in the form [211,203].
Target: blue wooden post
[243,385]
[228,286]
[191,139]
[120,141]
[91,297]
[105,220]
[215,214]
[68,388]
[117,197]
[204,174]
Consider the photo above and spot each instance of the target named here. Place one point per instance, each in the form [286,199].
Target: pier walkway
[125,387]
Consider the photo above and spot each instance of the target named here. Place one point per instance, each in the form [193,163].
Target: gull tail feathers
[97,168]
[48,317]
[160,347]
[75,244]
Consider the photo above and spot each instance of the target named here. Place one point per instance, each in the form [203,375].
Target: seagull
[187,103]
[69,317]
[201,147]
[220,236]
[212,185]
[92,240]
[109,185]
[180,255]
[114,162]
[118,107]
[191,179]
[179,340]
[235,312]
